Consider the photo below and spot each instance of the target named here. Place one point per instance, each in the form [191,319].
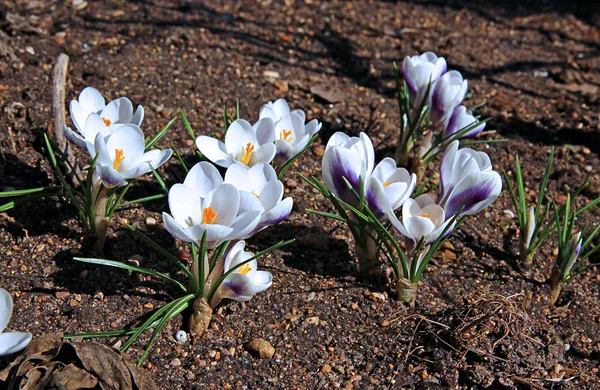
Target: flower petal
[276,214]
[340,163]
[6,308]
[130,140]
[138,117]
[203,178]
[264,153]
[225,201]
[264,130]
[110,177]
[262,281]
[185,205]
[475,192]
[12,342]
[175,229]
[118,111]
[73,137]
[214,150]
[238,287]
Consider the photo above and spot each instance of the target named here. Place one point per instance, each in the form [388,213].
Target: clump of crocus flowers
[432,113]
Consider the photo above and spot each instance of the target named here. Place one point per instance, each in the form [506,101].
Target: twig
[527,382]
[58,108]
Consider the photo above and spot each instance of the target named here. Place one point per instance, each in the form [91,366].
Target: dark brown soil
[479,321]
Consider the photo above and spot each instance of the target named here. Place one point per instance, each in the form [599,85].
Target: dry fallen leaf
[49,362]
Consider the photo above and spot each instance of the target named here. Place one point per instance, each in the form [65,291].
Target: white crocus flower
[348,158]
[448,92]
[91,116]
[467,181]
[278,110]
[419,71]
[421,218]
[245,143]
[121,156]
[292,136]
[243,282]
[388,187]
[259,190]
[203,204]
[10,342]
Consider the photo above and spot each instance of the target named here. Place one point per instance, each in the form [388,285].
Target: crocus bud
[530,226]
[461,119]
[419,71]
[448,92]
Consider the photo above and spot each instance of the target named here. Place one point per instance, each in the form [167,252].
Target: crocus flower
[467,181]
[292,136]
[347,158]
[91,116]
[461,119]
[421,218]
[278,110]
[121,156]
[10,342]
[419,71]
[245,143]
[203,204]
[448,92]
[243,282]
[260,190]
[388,187]
[573,254]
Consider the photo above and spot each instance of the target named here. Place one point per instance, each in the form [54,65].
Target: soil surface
[479,321]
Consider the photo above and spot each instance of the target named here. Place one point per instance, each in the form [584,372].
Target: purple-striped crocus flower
[467,181]
[461,119]
[419,71]
[448,92]
[244,281]
[349,158]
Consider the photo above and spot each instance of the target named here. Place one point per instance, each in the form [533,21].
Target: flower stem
[406,291]
[369,264]
[555,285]
[200,318]
[525,255]
[402,154]
[100,219]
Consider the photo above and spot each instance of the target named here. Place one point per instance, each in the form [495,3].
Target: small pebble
[175,362]
[181,336]
[150,221]
[84,274]
[260,348]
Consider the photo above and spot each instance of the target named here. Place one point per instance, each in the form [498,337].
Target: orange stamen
[119,157]
[387,183]
[208,216]
[244,269]
[255,194]
[425,215]
[284,134]
[107,122]
[247,153]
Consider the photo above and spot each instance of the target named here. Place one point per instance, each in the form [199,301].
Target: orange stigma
[208,216]
[425,215]
[244,269]
[247,153]
[387,183]
[285,135]
[107,122]
[119,157]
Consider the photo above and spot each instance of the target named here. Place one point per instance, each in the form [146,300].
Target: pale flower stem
[402,154]
[406,291]
[368,262]
[555,285]
[525,255]
[200,318]
[100,220]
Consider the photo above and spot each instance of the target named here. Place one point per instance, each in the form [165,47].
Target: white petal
[91,100]
[118,111]
[185,205]
[281,108]
[138,117]
[130,140]
[110,177]
[12,342]
[244,225]
[262,281]
[264,130]
[337,139]
[74,137]
[265,154]
[225,201]
[215,234]
[419,227]
[214,150]
[203,178]
[176,230]
[240,176]
[239,134]
[6,308]
[249,202]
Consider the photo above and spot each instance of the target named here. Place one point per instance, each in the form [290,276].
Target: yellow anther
[255,194]
[387,183]
[247,153]
[208,216]
[244,269]
[284,134]
[106,121]
[425,215]
[119,157]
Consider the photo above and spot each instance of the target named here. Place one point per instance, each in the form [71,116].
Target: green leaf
[47,190]
[117,264]
[160,134]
